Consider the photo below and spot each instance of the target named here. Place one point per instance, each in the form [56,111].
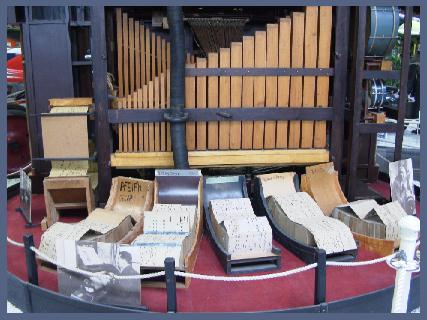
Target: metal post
[356,103]
[320,278]
[30,258]
[339,86]
[403,92]
[100,94]
[170,284]
[409,228]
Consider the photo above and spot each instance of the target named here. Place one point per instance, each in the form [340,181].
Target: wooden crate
[67,193]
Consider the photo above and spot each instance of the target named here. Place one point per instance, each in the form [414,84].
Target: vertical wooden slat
[156,106]
[163,106]
[129,125]
[125,127]
[259,87]
[147,56]
[213,101]
[168,67]
[135,125]
[310,57]
[142,40]
[145,125]
[296,81]
[283,82]
[140,125]
[137,57]
[271,83]
[248,90]
[190,103]
[224,99]
[153,56]
[119,50]
[159,55]
[126,53]
[120,106]
[236,95]
[201,104]
[151,134]
[325,31]
[131,55]
[164,56]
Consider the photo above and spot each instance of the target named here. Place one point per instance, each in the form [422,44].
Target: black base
[29,224]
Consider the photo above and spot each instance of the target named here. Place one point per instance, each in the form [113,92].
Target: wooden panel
[150,125]
[147,56]
[156,106]
[201,104]
[296,81]
[120,126]
[236,95]
[190,103]
[325,31]
[283,82]
[248,90]
[145,125]
[168,67]
[129,125]
[125,128]
[163,106]
[70,102]
[135,125]
[153,56]
[259,87]
[159,55]
[137,57]
[164,56]
[271,83]
[131,55]
[119,50]
[224,99]
[221,158]
[140,125]
[142,40]
[126,54]
[310,57]
[213,102]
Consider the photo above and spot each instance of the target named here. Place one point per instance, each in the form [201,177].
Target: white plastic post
[409,229]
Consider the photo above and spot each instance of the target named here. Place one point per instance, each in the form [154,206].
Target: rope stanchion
[15,243]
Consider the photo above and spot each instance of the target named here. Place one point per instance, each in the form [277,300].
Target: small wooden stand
[67,193]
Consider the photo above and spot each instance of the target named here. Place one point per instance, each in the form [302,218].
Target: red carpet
[211,296]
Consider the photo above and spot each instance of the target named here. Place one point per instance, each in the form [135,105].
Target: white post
[409,229]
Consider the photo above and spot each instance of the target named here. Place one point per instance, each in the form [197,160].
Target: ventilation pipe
[176,115]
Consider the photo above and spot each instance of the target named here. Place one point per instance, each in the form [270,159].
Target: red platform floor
[212,296]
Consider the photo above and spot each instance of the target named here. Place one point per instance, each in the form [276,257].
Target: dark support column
[320,278]
[339,86]
[170,284]
[403,84]
[100,94]
[30,258]
[356,102]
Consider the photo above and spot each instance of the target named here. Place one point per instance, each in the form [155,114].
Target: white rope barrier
[359,263]
[246,278]
[15,243]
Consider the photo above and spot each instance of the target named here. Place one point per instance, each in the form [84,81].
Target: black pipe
[176,115]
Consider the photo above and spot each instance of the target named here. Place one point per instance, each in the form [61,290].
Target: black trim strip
[196,72]
[377,127]
[222,114]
